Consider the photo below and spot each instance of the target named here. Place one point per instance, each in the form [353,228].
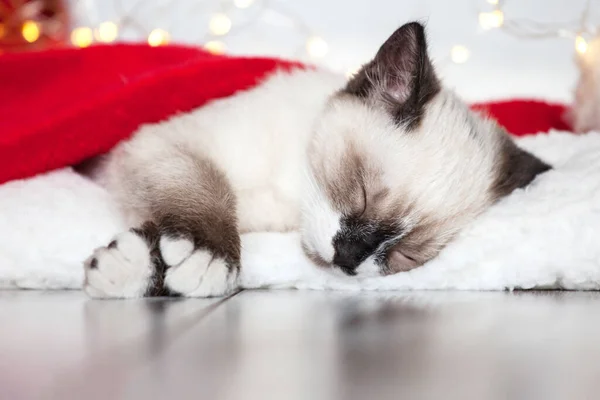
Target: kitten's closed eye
[399,262]
[364,193]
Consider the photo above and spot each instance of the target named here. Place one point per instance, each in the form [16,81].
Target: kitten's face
[399,166]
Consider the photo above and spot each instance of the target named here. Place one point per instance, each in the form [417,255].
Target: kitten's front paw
[123,269]
[195,272]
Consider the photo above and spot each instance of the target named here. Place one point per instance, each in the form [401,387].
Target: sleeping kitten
[378,174]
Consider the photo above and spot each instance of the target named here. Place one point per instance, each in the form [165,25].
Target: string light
[107,32]
[158,37]
[82,36]
[30,31]
[581,44]
[490,20]
[527,28]
[459,54]
[524,28]
[215,47]
[220,24]
[316,47]
[243,3]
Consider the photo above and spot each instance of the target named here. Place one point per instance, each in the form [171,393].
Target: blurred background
[485,49]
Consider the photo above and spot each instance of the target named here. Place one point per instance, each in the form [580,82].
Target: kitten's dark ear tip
[517,169]
[415,26]
[410,29]
[409,37]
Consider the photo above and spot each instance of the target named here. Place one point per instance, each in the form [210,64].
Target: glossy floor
[302,345]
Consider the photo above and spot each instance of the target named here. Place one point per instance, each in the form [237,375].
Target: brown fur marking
[191,200]
[516,169]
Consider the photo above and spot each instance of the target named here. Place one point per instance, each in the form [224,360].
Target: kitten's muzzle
[351,252]
[357,240]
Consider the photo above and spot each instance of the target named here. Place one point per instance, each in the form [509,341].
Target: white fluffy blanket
[547,236]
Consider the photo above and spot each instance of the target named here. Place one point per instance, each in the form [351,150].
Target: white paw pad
[123,269]
[200,275]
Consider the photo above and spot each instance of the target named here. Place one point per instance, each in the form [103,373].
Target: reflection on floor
[302,345]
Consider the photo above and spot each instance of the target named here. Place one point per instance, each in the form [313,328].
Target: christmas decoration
[229,18]
[585,113]
[578,29]
[32,24]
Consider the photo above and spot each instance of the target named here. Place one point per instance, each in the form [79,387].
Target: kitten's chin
[368,269]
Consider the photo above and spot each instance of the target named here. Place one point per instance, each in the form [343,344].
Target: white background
[500,65]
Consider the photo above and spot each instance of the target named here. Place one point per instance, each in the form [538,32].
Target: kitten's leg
[189,245]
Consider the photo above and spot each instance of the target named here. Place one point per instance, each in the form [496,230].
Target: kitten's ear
[401,76]
[516,169]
